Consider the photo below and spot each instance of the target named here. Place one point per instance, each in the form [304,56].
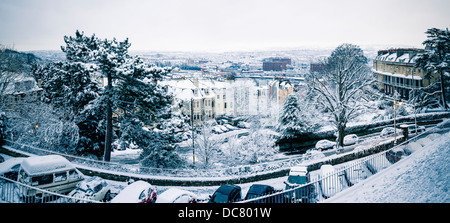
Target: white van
[52,173]
[298,175]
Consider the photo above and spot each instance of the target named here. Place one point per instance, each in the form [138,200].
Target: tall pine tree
[436,59]
[132,94]
[293,121]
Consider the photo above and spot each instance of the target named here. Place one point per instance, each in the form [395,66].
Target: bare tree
[206,143]
[340,88]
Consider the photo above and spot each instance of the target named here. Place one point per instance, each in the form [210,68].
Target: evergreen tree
[132,94]
[69,88]
[293,121]
[436,59]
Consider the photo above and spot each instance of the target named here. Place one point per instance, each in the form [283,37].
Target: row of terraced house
[395,71]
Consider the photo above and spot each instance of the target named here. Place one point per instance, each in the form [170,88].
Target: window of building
[224,104]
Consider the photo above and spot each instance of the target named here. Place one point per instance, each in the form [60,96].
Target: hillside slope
[423,177]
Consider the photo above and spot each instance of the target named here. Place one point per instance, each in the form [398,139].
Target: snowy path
[423,177]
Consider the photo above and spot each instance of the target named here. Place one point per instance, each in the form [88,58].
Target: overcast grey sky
[222,25]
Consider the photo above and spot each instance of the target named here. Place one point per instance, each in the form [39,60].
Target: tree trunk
[341,134]
[108,137]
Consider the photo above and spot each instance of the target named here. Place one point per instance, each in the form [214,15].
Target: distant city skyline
[222,25]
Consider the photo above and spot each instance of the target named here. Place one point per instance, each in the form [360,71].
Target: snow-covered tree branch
[340,87]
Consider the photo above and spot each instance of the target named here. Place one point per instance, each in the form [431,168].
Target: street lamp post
[396,104]
[193,131]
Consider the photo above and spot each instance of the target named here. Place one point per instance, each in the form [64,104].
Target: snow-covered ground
[422,177]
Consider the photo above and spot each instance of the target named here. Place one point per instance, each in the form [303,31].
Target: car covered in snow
[356,172]
[331,181]
[137,192]
[227,193]
[175,195]
[325,144]
[395,154]
[52,173]
[350,139]
[217,130]
[412,128]
[93,188]
[299,175]
[389,131]
[230,127]
[10,168]
[244,125]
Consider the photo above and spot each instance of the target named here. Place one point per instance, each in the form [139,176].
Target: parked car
[174,195]
[350,139]
[2,159]
[298,176]
[230,127]
[137,192]
[331,182]
[52,173]
[10,168]
[389,131]
[94,188]
[227,193]
[223,128]
[356,172]
[217,130]
[325,144]
[412,128]
[243,125]
[395,154]
[258,190]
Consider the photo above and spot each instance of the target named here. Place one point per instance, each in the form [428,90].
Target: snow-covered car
[412,128]
[223,128]
[356,172]
[389,131]
[395,154]
[217,130]
[299,175]
[243,125]
[350,139]
[137,192]
[325,144]
[230,127]
[175,195]
[10,168]
[51,172]
[93,188]
[331,182]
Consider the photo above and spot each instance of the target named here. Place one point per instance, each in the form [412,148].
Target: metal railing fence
[15,192]
[326,186]
[241,170]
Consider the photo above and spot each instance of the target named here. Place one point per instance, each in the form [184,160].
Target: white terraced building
[395,71]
